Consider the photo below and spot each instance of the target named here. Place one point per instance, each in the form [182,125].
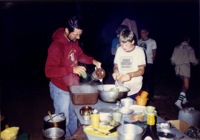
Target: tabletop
[100,104]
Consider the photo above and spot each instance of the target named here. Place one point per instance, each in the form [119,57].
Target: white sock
[178,104]
[183,95]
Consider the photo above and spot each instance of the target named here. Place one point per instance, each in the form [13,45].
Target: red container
[84,94]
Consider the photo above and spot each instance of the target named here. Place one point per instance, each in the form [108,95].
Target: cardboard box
[180,125]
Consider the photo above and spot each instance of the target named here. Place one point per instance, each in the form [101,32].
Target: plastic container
[84,94]
[189,115]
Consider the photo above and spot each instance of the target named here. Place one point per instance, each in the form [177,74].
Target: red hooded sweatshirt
[63,55]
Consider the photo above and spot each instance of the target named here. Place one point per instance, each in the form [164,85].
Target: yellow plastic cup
[95,119]
[141,101]
[144,94]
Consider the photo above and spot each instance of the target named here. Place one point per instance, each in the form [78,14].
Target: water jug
[98,74]
[189,115]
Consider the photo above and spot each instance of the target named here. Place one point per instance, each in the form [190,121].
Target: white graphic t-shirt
[148,45]
[129,62]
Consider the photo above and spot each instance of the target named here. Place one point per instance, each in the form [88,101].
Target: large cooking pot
[111,93]
[57,120]
[130,132]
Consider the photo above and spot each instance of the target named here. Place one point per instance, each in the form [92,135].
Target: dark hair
[74,22]
[126,35]
[120,28]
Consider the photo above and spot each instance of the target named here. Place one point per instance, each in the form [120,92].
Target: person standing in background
[115,41]
[182,56]
[129,63]
[149,45]
[63,70]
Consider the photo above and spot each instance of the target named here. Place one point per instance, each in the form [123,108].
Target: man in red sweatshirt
[63,70]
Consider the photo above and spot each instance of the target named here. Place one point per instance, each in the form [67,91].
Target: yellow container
[141,101]
[144,94]
[95,119]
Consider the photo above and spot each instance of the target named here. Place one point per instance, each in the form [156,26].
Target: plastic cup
[144,94]
[150,109]
[117,116]
[95,119]
[141,101]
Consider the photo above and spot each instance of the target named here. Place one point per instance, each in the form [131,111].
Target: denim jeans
[62,103]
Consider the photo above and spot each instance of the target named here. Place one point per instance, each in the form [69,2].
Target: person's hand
[97,63]
[79,70]
[123,78]
[115,75]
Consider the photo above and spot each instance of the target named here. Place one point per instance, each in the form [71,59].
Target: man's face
[75,35]
[127,46]
[144,34]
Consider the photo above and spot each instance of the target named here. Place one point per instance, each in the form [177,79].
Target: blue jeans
[62,103]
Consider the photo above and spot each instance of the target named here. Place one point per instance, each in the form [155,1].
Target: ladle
[51,117]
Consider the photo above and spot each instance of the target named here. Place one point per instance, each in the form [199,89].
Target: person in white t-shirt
[149,46]
[129,63]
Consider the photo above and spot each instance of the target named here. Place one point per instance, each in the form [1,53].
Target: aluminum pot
[58,120]
[130,132]
[111,93]
[54,133]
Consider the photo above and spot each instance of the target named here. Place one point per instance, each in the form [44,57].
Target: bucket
[58,120]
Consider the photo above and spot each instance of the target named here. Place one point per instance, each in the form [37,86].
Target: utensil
[101,131]
[114,129]
[50,116]
[116,83]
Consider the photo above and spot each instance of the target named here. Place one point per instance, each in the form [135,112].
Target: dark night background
[27,27]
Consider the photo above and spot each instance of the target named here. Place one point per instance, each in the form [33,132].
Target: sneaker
[185,101]
[178,104]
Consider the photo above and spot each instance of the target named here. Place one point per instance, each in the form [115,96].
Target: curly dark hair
[74,22]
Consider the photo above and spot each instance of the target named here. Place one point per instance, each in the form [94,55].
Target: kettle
[189,115]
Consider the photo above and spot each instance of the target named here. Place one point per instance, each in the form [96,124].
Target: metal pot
[130,132]
[53,133]
[58,120]
[111,93]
